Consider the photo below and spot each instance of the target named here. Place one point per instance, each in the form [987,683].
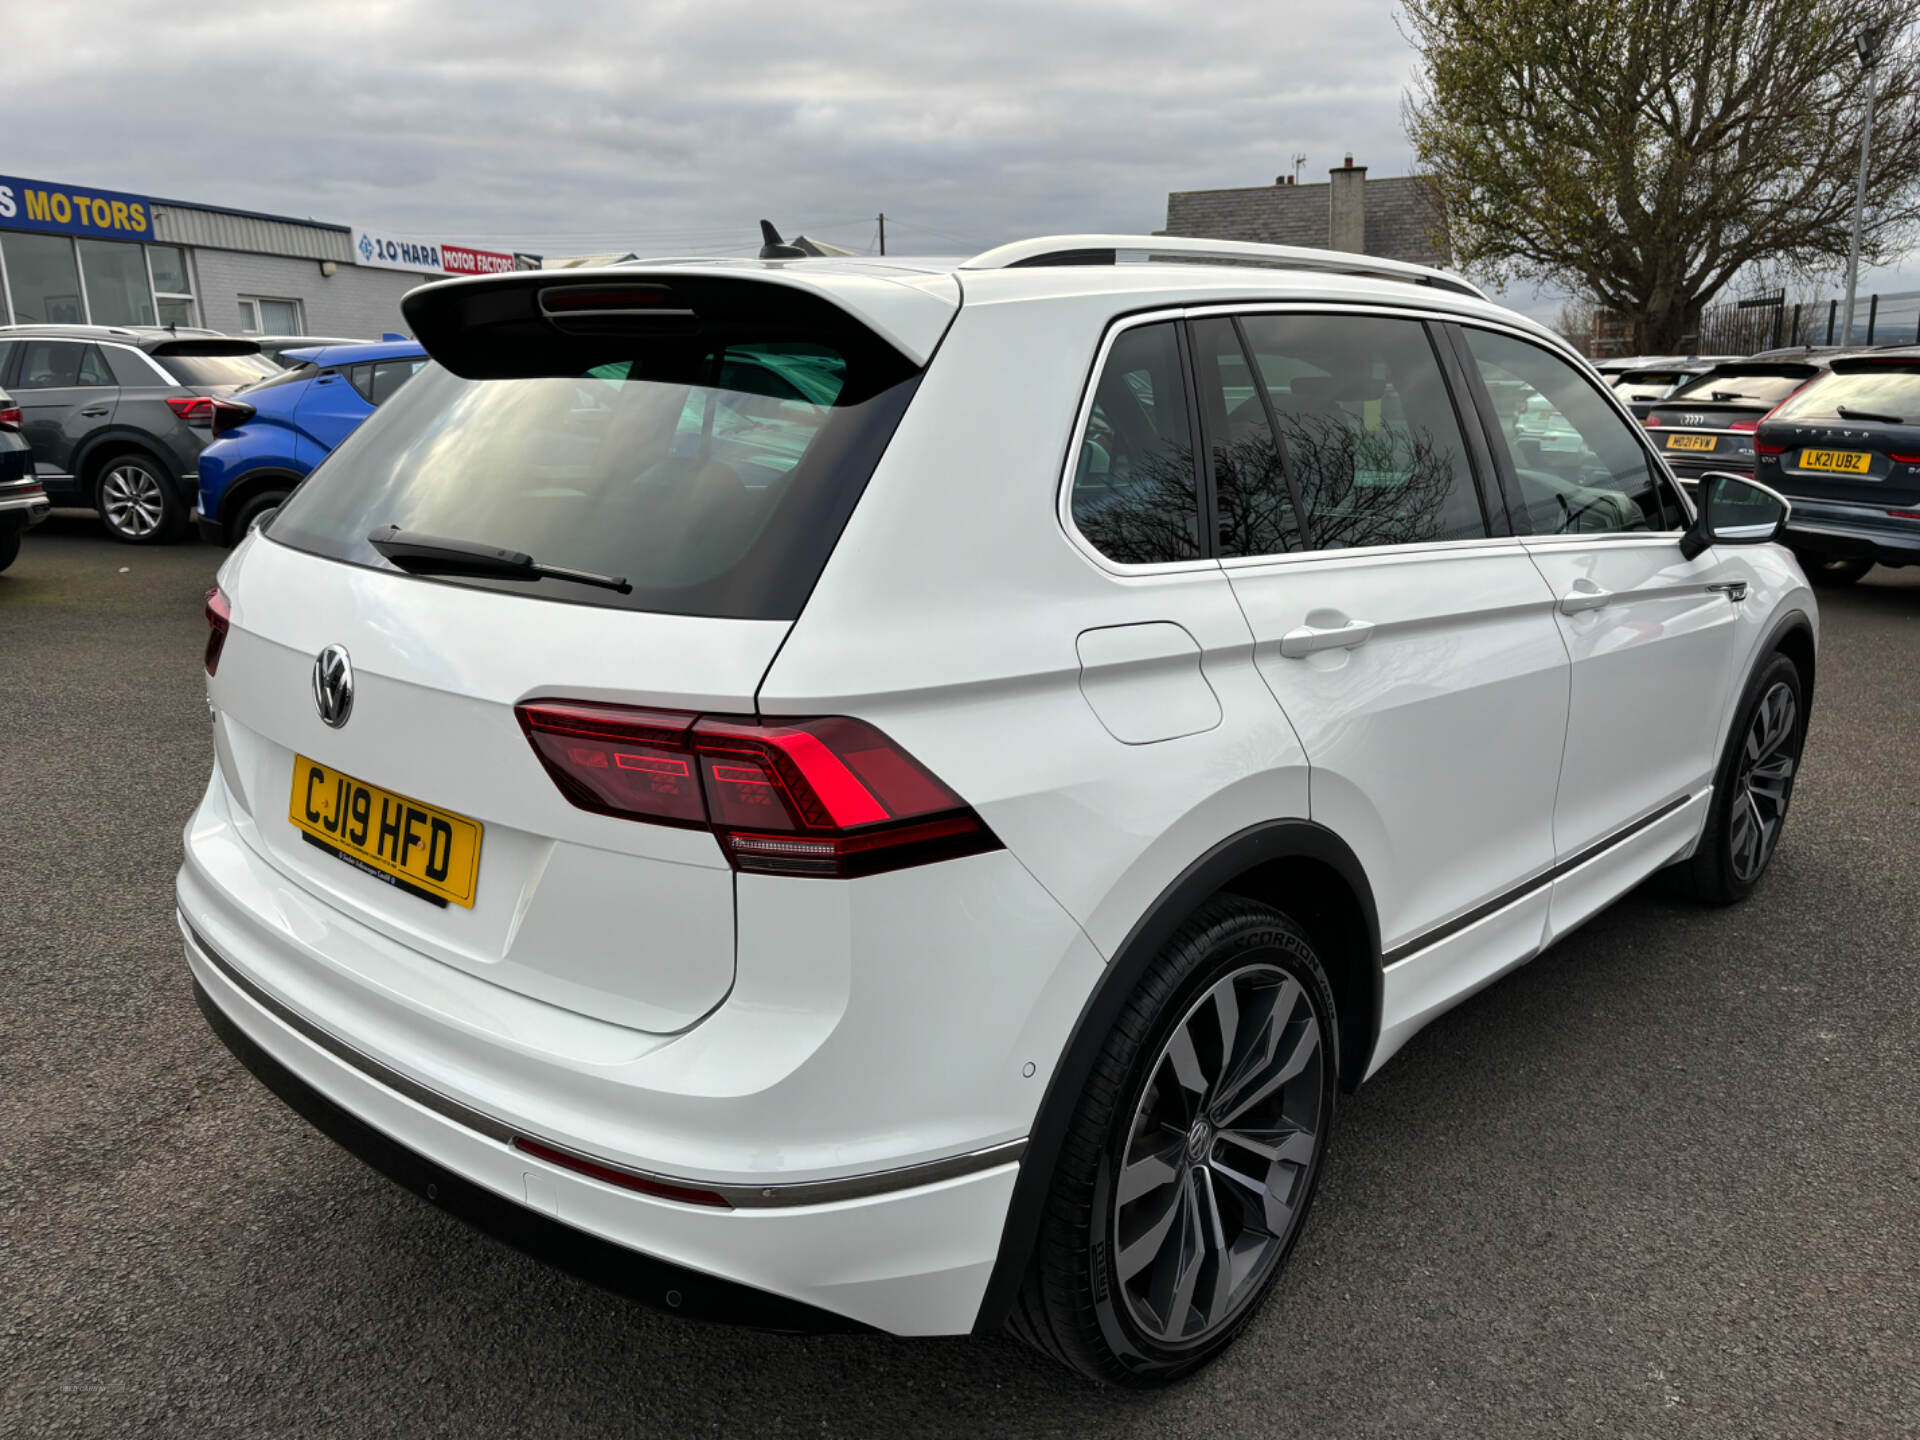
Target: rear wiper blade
[437,555]
[1847,412]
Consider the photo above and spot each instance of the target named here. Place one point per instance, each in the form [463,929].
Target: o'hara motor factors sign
[72,210]
[393,252]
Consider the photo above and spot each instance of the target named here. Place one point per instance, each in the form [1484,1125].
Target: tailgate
[626,922]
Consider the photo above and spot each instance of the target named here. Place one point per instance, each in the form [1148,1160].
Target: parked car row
[119,419]
[1836,431]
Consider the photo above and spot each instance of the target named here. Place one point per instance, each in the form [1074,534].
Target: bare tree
[1644,151]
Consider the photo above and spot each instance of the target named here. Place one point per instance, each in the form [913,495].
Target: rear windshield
[1889,394]
[1767,388]
[713,475]
[217,369]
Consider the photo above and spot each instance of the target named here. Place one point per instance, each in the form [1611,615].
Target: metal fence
[1768,322]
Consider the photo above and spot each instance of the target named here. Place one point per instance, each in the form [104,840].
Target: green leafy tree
[1643,152]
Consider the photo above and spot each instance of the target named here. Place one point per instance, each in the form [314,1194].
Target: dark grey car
[117,416]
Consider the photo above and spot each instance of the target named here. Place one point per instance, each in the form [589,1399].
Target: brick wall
[358,302]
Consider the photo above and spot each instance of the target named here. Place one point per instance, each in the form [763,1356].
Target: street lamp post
[1867,42]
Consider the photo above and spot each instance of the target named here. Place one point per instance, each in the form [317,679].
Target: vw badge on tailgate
[333,685]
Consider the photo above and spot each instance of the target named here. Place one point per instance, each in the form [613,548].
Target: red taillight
[1652,420]
[194,409]
[1744,427]
[830,796]
[1761,447]
[10,418]
[229,415]
[1905,514]
[625,1179]
[1903,459]
[219,617]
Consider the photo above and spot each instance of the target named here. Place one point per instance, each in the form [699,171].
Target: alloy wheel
[132,501]
[1220,1155]
[1764,782]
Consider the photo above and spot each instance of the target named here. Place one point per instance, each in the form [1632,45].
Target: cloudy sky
[669,126]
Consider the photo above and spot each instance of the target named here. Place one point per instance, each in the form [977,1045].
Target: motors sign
[393,252]
[459,260]
[72,210]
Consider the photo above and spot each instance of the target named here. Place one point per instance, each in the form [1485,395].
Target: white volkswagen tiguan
[896,794]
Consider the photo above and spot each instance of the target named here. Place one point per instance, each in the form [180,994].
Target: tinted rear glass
[1890,393]
[1763,389]
[217,369]
[714,475]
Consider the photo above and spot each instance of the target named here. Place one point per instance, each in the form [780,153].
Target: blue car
[269,436]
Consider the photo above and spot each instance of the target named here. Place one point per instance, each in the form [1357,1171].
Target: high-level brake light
[830,796]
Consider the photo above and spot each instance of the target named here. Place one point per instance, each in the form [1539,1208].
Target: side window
[93,367]
[389,376]
[361,378]
[1257,508]
[48,364]
[1366,430]
[1134,495]
[6,354]
[1581,468]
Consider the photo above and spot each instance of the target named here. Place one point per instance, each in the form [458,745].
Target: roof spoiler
[543,322]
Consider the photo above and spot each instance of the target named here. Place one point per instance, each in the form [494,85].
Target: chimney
[1347,207]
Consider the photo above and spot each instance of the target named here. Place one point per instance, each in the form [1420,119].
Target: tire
[1831,573]
[1110,1306]
[249,514]
[9,547]
[1752,789]
[136,500]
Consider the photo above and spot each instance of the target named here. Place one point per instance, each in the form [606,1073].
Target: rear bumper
[626,1272]
[860,1097]
[1848,532]
[23,504]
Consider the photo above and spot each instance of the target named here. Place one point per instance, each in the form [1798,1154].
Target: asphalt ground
[1664,1180]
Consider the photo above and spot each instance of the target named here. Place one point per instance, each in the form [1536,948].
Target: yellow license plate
[418,848]
[1840,462]
[1691,442]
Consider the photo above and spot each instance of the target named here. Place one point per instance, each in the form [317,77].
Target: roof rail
[1107,249]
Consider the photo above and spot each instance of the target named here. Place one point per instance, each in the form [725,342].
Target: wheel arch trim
[1213,872]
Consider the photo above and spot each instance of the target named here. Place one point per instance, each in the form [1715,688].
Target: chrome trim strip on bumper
[740,1197]
[34,501]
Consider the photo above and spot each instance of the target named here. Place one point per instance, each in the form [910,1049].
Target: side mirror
[1735,510]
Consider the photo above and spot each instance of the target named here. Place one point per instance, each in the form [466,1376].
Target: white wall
[359,302]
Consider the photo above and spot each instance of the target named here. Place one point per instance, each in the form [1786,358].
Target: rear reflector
[219,617]
[828,797]
[194,409]
[625,1179]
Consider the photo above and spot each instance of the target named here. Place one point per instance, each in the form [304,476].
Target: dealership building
[76,255]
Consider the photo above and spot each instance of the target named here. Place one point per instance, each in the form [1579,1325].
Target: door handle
[1585,595]
[94,410]
[1304,640]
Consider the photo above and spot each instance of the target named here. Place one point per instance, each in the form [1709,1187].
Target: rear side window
[1885,393]
[713,472]
[93,368]
[1366,431]
[217,369]
[1580,467]
[377,381]
[1135,497]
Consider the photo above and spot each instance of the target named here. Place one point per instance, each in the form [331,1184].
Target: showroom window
[57,280]
[117,288]
[43,279]
[172,284]
[260,315]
